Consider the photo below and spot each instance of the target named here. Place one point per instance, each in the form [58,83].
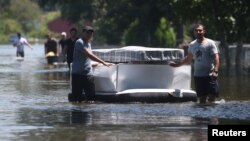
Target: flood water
[34,107]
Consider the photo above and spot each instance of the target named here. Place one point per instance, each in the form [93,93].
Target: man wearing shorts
[206,65]
[19,44]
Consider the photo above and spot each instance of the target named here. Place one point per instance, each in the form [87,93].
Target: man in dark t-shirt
[69,47]
[50,50]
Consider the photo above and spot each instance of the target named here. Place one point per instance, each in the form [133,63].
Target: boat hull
[149,96]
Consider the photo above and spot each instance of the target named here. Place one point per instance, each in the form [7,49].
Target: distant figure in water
[62,44]
[70,45]
[19,44]
[51,50]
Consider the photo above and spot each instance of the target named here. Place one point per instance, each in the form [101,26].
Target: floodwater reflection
[80,125]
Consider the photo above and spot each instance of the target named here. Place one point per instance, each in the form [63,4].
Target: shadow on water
[34,106]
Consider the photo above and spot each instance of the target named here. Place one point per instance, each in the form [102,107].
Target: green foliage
[226,20]
[41,29]
[25,12]
[3,38]
[111,22]
[78,10]
[18,16]
[129,35]
[135,22]
[8,26]
[49,16]
[165,34]
[108,32]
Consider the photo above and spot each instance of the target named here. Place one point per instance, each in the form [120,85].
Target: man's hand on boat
[107,64]
[94,64]
[174,64]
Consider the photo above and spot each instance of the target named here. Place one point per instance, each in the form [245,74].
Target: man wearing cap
[82,75]
[62,44]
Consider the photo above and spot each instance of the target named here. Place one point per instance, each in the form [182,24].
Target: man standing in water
[69,46]
[206,65]
[62,43]
[82,75]
[51,50]
[19,44]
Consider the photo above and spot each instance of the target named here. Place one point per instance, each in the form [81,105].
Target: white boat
[142,74]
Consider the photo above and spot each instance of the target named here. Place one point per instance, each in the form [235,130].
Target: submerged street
[34,106]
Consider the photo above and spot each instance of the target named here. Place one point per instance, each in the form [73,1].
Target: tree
[134,21]
[115,19]
[10,26]
[25,12]
[165,34]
